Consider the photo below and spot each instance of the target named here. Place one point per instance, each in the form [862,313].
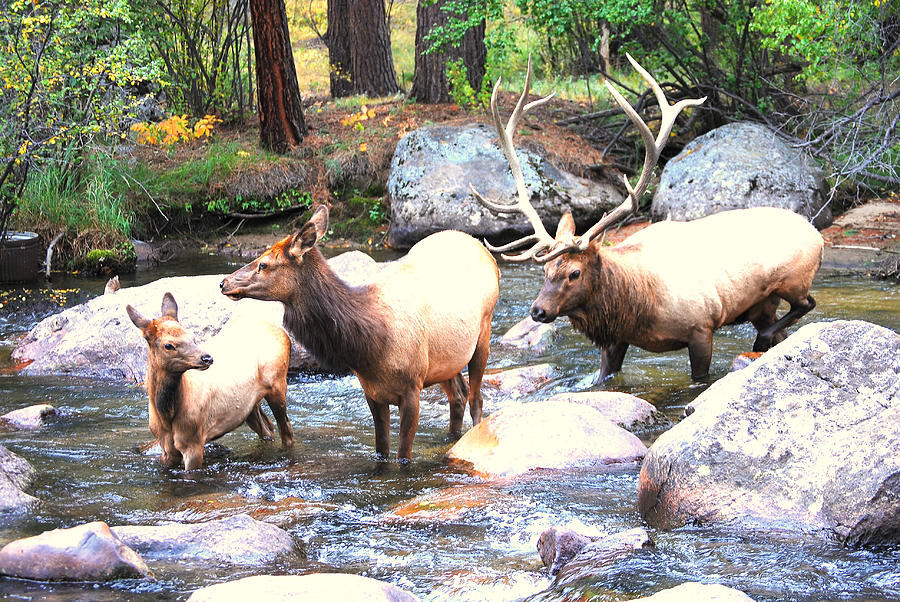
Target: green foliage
[460,89]
[362,216]
[288,199]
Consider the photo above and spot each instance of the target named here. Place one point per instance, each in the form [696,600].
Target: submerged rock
[709,592]
[32,417]
[736,166]
[549,434]
[16,474]
[433,167]
[806,438]
[602,552]
[448,505]
[519,381]
[238,540]
[558,545]
[333,587]
[629,412]
[89,552]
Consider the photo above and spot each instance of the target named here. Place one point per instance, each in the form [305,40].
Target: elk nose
[538,314]
[206,359]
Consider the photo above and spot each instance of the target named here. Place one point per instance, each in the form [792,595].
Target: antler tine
[653,148]
[541,237]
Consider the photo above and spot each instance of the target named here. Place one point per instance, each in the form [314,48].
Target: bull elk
[422,320]
[672,284]
[197,395]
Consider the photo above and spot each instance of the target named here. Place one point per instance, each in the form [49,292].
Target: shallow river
[332,496]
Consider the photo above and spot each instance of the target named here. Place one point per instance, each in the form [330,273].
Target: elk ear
[137,318]
[566,227]
[169,307]
[310,233]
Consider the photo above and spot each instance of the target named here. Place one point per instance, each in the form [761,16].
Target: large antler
[543,251]
[541,239]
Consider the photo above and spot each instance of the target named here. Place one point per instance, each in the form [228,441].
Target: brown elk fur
[672,284]
[197,395]
[423,319]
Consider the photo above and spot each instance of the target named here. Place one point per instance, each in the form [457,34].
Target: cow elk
[422,320]
[197,395]
[672,284]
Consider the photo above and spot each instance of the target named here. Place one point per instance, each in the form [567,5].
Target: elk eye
[574,274]
[263,266]
[170,346]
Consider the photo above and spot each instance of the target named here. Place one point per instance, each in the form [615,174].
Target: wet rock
[32,417]
[712,592]
[736,166]
[88,552]
[335,587]
[558,545]
[743,360]
[629,412]
[282,512]
[519,381]
[602,552]
[528,334]
[238,540]
[16,474]
[805,438]
[96,339]
[433,167]
[549,434]
[448,505]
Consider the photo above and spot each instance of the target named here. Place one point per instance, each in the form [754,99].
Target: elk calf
[424,318]
[197,395]
[672,284]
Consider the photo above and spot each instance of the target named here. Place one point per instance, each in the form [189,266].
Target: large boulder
[433,167]
[16,474]
[736,166]
[97,339]
[807,438]
[238,540]
[548,434]
[333,587]
[88,552]
[708,592]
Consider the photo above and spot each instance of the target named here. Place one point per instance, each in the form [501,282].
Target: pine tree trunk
[338,38]
[430,78]
[372,64]
[281,123]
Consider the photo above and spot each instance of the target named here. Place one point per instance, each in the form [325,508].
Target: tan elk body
[423,319]
[672,284]
[199,394]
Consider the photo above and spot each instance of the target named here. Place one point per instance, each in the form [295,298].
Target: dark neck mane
[619,306]
[165,391]
[342,327]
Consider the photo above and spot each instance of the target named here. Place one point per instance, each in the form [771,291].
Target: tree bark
[281,123]
[429,78]
[371,62]
[338,38]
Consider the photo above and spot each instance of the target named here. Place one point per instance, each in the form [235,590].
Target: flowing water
[335,500]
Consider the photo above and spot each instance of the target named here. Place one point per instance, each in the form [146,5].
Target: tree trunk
[430,77]
[339,40]
[281,123]
[372,64]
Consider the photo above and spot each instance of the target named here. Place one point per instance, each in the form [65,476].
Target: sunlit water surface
[332,496]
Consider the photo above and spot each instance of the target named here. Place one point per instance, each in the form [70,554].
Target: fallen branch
[49,258]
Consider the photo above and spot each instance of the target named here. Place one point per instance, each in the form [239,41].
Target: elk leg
[476,372]
[170,457]
[457,391]
[611,358]
[381,414]
[277,400]
[762,316]
[260,424]
[191,447]
[797,311]
[409,421]
[700,354]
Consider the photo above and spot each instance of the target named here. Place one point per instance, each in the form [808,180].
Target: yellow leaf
[363,147]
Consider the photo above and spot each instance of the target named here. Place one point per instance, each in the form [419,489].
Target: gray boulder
[97,339]
[709,592]
[602,552]
[805,438]
[238,540]
[736,166]
[88,552]
[433,167]
[334,587]
[16,474]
